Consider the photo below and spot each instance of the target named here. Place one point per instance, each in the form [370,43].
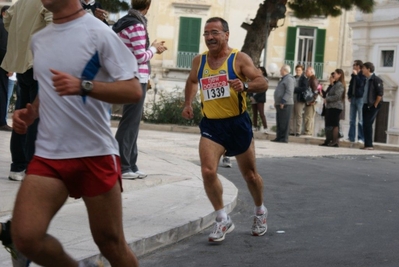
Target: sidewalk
[170,204]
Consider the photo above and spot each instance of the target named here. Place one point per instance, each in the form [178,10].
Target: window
[387,58]
[305,46]
[189,41]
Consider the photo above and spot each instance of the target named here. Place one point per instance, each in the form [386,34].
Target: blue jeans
[356,108]
[369,115]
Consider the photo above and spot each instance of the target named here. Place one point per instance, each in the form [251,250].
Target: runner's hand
[188,113]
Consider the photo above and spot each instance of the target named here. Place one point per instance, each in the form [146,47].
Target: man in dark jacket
[301,83]
[95,8]
[355,97]
[372,97]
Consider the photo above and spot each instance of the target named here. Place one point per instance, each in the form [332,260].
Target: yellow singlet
[218,100]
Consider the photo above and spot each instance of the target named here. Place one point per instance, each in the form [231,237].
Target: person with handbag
[310,110]
[334,103]
[299,102]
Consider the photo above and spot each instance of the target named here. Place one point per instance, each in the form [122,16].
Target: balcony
[318,67]
[184,59]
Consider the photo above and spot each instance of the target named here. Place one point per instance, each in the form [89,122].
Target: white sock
[221,215]
[259,210]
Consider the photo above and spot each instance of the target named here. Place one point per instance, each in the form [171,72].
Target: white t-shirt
[71,126]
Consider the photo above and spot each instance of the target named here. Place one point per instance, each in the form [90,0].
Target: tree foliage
[274,10]
[304,9]
[114,6]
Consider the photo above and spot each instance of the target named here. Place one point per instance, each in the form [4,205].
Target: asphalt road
[323,211]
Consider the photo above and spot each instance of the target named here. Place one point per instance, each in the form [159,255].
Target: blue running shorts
[234,134]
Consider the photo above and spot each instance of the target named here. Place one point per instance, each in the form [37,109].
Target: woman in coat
[334,103]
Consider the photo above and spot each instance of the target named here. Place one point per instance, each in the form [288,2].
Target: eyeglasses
[213,33]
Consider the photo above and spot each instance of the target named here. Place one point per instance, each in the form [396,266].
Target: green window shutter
[189,34]
[320,45]
[290,45]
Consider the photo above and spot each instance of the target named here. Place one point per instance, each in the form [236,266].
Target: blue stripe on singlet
[232,75]
[230,67]
[91,69]
[201,68]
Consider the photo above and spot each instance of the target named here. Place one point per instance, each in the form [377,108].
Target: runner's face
[215,37]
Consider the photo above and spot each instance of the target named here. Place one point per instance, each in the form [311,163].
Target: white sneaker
[140,174]
[265,131]
[259,226]
[360,141]
[254,129]
[16,176]
[220,229]
[226,162]
[130,175]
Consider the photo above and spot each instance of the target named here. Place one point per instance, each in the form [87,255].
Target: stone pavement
[170,204]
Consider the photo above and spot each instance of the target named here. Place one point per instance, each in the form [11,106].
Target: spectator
[258,106]
[355,97]
[3,75]
[22,20]
[299,102]
[93,7]
[372,97]
[334,101]
[310,110]
[283,102]
[132,30]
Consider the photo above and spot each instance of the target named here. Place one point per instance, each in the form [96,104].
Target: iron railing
[318,67]
[184,59]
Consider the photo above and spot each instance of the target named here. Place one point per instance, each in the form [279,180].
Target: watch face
[87,85]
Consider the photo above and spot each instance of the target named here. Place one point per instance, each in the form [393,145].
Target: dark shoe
[333,145]
[323,144]
[6,128]
[275,140]
[17,258]
[297,135]
[292,134]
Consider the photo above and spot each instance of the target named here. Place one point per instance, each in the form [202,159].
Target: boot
[328,132]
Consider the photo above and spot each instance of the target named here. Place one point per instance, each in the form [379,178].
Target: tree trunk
[256,36]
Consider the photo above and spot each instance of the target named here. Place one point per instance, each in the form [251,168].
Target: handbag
[308,95]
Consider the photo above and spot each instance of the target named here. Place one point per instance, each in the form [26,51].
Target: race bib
[215,87]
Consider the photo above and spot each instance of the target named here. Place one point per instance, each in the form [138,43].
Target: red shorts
[89,177]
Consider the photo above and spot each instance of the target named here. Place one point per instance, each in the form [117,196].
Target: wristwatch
[245,86]
[86,87]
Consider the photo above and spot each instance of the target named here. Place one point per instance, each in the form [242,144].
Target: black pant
[369,115]
[3,96]
[22,146]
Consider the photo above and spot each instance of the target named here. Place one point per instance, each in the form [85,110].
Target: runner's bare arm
[191,89]
[257,83]
[118,92]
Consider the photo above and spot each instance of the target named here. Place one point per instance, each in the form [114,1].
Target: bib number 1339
[215,87]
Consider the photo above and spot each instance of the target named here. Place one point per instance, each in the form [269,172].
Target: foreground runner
[81,66]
